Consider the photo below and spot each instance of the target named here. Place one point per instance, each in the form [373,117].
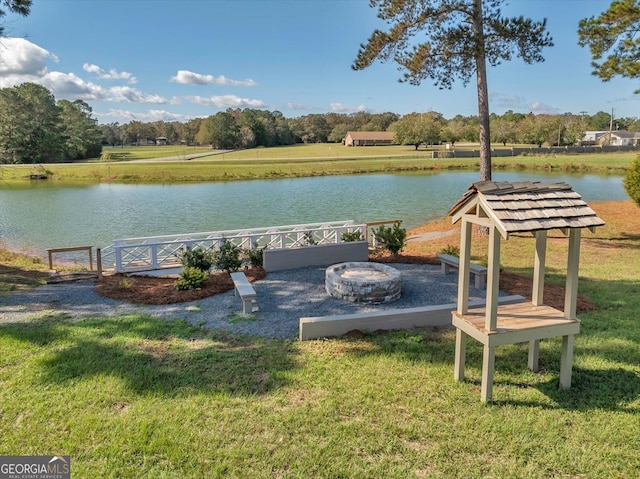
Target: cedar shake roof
[371,135]
[525,206]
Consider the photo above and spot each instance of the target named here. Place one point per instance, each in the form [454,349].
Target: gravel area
[283,298]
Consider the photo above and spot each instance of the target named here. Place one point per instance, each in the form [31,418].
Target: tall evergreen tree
[445,40]
[615,33]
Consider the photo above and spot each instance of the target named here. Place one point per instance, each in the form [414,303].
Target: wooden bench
[479,272]
[246,292]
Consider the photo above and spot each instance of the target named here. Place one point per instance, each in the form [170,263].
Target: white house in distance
[613,138]
[368,138]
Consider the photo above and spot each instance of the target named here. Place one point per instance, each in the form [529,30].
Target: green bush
[308,239]
[255,256]
[451,250]
[350,236]
[227,258]
[190,278]
[391,238]
[196,258]
[632,181]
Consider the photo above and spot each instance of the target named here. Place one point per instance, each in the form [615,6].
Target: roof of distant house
[371,135]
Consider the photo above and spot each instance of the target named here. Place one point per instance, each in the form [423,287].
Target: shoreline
[419,234]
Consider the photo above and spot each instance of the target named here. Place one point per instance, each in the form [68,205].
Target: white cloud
[151,115]
[300,106]
[342,108]
[111,75]
[227,101]
[70,86]
[191,78]
[22,61]
[538,107]
[516,102]
[132,95]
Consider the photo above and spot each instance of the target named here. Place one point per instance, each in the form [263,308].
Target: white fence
[157,252]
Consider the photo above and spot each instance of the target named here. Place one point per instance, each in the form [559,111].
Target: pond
[41,215]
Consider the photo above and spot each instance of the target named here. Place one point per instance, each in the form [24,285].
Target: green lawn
[295,161]
[141,397]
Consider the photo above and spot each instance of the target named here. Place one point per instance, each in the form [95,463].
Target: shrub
[308,239]
[196,258]
[632,181]
[350,236]
[255,256]
[227,258]
[190,278]
[391,238]
[451,250]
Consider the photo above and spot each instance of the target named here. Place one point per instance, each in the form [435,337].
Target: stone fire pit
[361,282]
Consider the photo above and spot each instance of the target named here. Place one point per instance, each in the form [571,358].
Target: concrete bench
[246,292]
[479,272]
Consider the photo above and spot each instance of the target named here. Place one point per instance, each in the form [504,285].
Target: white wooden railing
[157,252]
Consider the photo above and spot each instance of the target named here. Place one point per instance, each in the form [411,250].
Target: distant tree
[417,128]
[458,38]
[539,129]
[30,125]
[503,130]
[81,134]
[338,133]
[600,121]
[221,130]
[21,7]
[631,181]
[111,134]
[615,33]
[576,126]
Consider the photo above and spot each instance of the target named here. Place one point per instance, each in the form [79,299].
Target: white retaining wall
[315,255]
[409,318]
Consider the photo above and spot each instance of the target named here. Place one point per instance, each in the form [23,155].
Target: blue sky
[152,60]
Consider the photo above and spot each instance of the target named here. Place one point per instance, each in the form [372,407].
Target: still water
[40,215]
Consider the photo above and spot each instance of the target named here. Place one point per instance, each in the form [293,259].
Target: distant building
[613,138]
[161,140]
[368,138]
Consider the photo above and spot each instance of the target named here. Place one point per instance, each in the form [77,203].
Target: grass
[299,161]
[136,396]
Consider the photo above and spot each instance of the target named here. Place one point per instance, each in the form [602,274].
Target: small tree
[632,181]
[391,238]
[227,258]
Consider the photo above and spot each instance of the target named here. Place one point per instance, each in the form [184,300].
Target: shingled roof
[525,206]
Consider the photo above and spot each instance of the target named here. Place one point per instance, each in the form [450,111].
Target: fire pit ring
[363,282]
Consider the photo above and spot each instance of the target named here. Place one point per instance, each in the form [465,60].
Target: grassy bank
[140,397]
[303,161]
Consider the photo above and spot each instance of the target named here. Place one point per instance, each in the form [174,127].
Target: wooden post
[460,355]
[463,267]
[488,365]
[571,289]
[493,280]
[537,295]
[534,355]
[566,361]
[99,262]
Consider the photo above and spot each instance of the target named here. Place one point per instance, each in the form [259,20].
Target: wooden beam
[463,269]
[537,295]
[566,361]
[493,280]
[573,262]
[488,365]
[460,355]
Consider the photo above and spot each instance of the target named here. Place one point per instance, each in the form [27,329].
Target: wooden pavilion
[506,208]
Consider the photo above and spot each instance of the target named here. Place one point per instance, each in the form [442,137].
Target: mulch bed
[151,290]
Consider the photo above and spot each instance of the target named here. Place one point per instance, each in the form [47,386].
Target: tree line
[249,128]
[34,128]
